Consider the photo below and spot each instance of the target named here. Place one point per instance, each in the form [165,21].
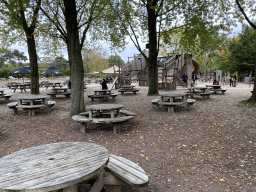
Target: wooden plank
[99,183]
[52,166]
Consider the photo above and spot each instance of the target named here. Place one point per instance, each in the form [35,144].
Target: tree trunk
[205,62]
[34,76]
[253,97]
[153,52]
[75,58]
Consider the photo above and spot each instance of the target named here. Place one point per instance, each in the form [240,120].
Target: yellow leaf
[146,158]
[142,155]
[177,170]
[90,140]
[222,179]
[221,125]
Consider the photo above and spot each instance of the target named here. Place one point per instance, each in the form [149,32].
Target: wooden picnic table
[213,86]
[62,90]
[113,109]
[22,87]
[52,167]
[128,87]
[32,103]
[5,96]
[197,89]
[102,92]
[172,100]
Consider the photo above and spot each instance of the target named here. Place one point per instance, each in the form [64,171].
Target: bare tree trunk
[205,62]
[33,63]
[153,52]
[75,58]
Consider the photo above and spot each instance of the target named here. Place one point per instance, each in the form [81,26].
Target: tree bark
[252,99]
[153,52]
[34,76]
[75,58]
[205,62]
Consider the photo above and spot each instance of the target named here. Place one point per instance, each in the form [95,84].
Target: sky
[129,51]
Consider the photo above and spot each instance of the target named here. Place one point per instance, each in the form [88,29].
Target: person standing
[104,84]
[231,80]
[234,77]
[185,78]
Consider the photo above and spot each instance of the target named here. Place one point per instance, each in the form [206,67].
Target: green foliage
[94,60]
[115,60]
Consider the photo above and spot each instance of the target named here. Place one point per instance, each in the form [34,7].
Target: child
[215,82]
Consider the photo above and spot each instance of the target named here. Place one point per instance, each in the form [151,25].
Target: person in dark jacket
[185,79]
[104,84]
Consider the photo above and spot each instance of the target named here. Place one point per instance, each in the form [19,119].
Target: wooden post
[189,69]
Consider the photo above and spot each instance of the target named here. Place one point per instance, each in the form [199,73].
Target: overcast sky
[128,52]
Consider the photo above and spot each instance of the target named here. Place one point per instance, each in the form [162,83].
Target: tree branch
[245,16]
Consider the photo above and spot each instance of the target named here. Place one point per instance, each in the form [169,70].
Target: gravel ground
[212,147]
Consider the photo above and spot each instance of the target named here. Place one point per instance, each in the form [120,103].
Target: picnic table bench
[104,113]
[206,95]
[59,91]
[128,88]
[121,171]
[104,94]
[5,96]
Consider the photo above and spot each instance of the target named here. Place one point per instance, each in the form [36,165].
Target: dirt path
[210,148]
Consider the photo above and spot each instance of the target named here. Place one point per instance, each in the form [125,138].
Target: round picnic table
[112,108]
[102,92]
[31,99]
[172,96]
[127,86]
[194,89]
[52,166]
[63,89]
[214,86]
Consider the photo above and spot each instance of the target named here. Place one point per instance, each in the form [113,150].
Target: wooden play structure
[170,70]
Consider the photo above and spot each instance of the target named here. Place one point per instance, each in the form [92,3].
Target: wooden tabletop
[52,166]
[104,107]
[128,86]
[214,86]
[102,90]
[63,88]
[32,97]
[192,88]
[173,94]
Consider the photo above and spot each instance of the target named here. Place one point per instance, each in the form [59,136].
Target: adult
[104,84]
[185,78]
[215,82]
[234,83]
[231,81]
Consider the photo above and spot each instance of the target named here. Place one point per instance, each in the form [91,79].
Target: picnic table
[216,88]
[22,87]
[200,91]
[52,167]
[5,96]
[172,100]
[53,85]
[104,113]
[32,103]
[59,91]
[128,88]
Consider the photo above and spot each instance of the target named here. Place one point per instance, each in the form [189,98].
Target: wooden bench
[13,106]
[6,97]
[50,104]
[155,102]
[53,94]
[31,108]
[120,171]
[128,113]
[206,95]
[222,91]
[117,121]
[134,90]
[190,102]
[171,105]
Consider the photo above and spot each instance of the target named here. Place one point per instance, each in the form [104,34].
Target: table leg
[98,114]
[170,109]
[112,114]
[83,127]
[112,183]
[72,188]
[171,99]
[90,114]
[117,128]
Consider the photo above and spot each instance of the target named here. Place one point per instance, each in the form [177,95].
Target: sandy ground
[212,147]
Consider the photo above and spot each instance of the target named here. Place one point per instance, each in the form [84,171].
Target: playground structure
[170,70]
